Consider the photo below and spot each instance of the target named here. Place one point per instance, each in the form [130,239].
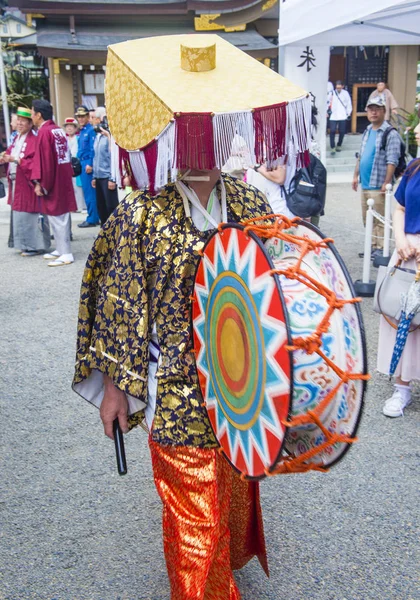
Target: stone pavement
[72,529]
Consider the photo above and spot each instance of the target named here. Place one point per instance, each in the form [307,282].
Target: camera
[102,125]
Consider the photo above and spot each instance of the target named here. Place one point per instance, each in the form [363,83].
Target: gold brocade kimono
[140,272]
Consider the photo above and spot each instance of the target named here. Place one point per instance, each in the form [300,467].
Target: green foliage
[413,120]
[23,84]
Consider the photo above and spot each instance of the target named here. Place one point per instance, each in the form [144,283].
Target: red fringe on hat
[151,155]
[303,159]
[123,161]
[194,141]
[270,123]
[124,167]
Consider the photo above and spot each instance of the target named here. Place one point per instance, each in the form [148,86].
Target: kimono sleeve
[44,161]
[98,331]
[25,165]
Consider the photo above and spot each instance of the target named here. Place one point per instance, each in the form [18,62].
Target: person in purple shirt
[406,223]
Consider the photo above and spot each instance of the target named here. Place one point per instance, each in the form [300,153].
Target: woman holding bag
[406,224]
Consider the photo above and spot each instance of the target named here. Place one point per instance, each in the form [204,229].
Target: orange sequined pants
[195,486]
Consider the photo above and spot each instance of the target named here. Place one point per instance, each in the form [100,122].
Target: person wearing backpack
[381,152]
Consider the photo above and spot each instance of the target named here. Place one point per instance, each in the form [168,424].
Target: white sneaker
[394,406]
[51,255]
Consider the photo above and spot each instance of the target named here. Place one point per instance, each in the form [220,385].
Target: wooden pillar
[402,75]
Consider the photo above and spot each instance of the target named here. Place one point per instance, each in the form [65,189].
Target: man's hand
[94,183]
[126,181]
[404,250]
[113,405]
[7,158]
[105,133]
[38,189]
[355,183]
[383,187]
[88,169]
[112,185]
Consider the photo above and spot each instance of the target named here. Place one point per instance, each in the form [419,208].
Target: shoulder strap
[385,136]
[339,99]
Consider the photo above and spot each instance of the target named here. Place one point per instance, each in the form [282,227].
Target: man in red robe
[29,230]
[52,176]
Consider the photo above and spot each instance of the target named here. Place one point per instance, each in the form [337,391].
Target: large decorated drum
[279,345]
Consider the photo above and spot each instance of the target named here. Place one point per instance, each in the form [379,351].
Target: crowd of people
[53,171]
[134,348]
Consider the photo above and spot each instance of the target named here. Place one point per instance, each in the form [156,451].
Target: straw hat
[175,102]
[22,111]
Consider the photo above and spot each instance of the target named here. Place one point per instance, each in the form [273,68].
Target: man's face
[376,114]
[92,117]
[36,118]
[23,125]
[95,120]
[83,120]
[417,134]
[380,87]
[70,129]
[339,87]
[13,122]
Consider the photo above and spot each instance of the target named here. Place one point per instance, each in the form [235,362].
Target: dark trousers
[341,130]
[106,200]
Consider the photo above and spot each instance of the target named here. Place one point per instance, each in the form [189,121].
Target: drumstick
[119,448]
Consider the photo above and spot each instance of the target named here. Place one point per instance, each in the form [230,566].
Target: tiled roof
[99,38]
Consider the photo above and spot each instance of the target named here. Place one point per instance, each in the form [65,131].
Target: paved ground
[71,529]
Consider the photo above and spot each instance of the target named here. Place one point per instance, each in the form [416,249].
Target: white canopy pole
[4,95]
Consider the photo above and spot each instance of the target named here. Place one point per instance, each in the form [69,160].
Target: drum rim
[276,278]
[358,309]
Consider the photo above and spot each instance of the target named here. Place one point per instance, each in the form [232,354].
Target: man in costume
[52,177]
[30,230]
[85,153]
[135,358]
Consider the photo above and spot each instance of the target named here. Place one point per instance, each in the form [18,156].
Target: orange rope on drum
[275,226]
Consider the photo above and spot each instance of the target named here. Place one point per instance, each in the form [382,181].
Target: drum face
[240,334]
[343,344]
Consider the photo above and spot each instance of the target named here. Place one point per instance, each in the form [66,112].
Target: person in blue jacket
[85,155]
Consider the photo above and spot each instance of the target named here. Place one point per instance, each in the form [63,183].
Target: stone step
[348,144]
[334,160]
[348,154]
[340,169]
[346,147]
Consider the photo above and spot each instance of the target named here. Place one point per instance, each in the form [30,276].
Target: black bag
[307,190]
[76,166]
[2,190]
[402,163]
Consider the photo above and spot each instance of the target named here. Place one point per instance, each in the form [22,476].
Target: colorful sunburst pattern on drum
[240,337]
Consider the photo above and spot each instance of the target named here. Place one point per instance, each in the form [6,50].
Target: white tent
[343,23]
[308,29]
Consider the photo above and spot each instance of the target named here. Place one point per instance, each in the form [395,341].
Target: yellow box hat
[178,101]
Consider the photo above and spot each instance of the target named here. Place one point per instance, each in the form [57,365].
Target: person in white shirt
[71,129]
[339,109]
[270,184]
